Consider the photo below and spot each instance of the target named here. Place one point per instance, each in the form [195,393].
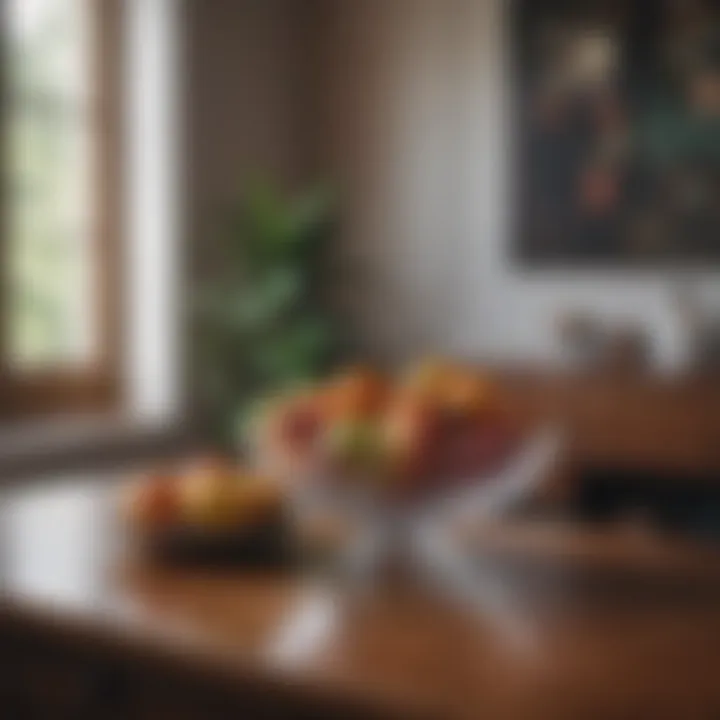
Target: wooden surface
[659,431]
[670,425]
[568,623]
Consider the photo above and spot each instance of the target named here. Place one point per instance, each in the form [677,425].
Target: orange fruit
[358,393]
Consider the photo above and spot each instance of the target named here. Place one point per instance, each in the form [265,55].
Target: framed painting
[618,131]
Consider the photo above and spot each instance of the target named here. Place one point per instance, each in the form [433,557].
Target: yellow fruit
[228,499]
[466,393]
[425,380]
[449,386]
[209,499]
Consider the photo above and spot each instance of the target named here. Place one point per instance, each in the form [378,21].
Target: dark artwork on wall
[618,124]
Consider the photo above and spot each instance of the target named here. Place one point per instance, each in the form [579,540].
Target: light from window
[50,319]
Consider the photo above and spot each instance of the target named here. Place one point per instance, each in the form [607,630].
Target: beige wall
[415,101]
[404,104]
[240,79]
[339,89]
[386,139]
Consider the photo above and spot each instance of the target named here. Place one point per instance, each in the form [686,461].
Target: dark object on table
[628,350]
[584,340]
[268,545]
[683,504]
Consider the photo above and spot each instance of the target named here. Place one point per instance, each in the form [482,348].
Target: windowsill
[36,447]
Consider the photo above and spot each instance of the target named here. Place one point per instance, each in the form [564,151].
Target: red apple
[154,501]
[300,423]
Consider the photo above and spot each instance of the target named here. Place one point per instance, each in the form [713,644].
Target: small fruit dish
[207,511]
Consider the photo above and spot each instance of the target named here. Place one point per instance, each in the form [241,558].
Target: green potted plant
[263,323]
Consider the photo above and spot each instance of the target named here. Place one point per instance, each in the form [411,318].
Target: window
[59,124]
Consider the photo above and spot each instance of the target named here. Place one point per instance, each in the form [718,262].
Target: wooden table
[570,623]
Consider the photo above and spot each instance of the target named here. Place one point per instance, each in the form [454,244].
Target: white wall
[418,123]
[516,308]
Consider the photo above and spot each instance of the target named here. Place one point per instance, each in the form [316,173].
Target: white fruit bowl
[419,530]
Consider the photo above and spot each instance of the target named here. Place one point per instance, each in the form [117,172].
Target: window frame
[94,387]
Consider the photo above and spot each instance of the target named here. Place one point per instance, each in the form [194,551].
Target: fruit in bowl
[354,447]
[451,388]
[286,433]
[440,422]
[359,393]
[208,511]
[208,496]
[412,429]
[321,427]
[152,501]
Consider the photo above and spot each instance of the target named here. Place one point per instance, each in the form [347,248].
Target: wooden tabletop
[568,622]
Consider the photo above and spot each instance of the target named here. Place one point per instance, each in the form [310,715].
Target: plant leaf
[308,215]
